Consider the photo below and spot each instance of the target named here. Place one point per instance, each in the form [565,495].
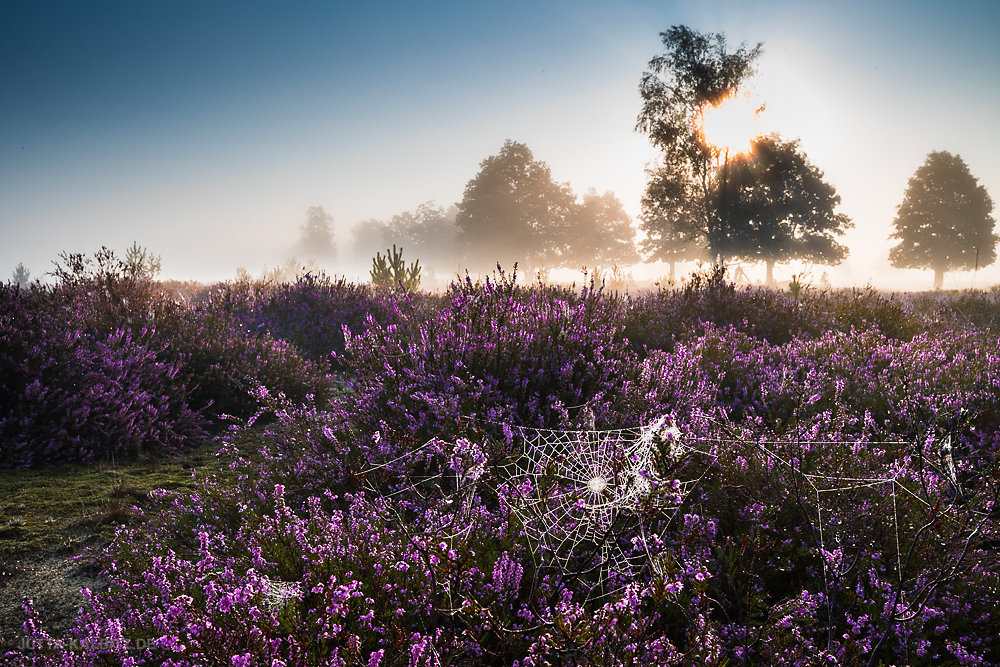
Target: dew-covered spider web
[593,503]
[893,499]
[581,496]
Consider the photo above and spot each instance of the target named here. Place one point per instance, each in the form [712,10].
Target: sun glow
[731,125]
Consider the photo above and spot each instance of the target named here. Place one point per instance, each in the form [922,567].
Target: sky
[205,130]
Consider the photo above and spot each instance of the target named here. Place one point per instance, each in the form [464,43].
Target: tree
[513,211]
[694,71]
[316,238]
[944,222]
[601,233]
[781,207]
[428,232]
[671,218]
[22,275]
[391,271]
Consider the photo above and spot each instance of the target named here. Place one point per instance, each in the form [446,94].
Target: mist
[212,155]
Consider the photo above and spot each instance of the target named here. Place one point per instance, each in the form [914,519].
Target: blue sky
[204,130]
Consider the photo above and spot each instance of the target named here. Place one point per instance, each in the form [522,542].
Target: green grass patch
[62,509]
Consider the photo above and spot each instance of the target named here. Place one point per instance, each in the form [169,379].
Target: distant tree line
[767,204]
[513,210]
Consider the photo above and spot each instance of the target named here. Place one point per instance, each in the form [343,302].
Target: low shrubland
[437,480]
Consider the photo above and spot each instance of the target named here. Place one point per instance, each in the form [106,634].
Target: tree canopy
[944,221]
[601,233]
[694,71]
[781,207]
[427,233]
[513,211]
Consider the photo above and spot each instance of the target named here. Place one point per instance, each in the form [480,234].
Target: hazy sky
[204,130]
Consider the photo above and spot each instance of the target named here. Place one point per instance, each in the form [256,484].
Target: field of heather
[324,473]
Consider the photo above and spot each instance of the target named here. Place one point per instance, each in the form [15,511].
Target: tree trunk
[770,272]
[671,278]
[938,278]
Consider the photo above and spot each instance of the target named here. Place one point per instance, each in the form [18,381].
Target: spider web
[580,496]
[828,496]
[593,507]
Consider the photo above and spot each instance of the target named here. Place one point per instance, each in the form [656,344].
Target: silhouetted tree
[601,233]
[694,71]
[781,207]
[513,211]
[316,238]
[672,217]
[22,276]
[944,222]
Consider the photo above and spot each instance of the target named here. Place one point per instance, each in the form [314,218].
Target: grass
[49,516]
[62,509]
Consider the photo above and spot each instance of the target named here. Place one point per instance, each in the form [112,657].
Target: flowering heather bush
[225,365]
[494,351]
[659,320]
[67,394]
[312,313]
[967,309]
[218,357]
[752,565]
[105,363]
[823,496]
[867,309]
[860,384]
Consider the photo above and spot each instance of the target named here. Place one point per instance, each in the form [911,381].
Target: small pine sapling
[392,270]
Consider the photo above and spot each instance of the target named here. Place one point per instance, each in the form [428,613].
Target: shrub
[495,350]
[752,565]
[827,497]
[658,321]
[868,309]
[313,312]
[82,396]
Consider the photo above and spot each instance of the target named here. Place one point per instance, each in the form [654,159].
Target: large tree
[694,72]
[513,211]
[601,233]
[944,222]
[781,207]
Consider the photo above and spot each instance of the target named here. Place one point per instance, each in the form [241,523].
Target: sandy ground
[54,583]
